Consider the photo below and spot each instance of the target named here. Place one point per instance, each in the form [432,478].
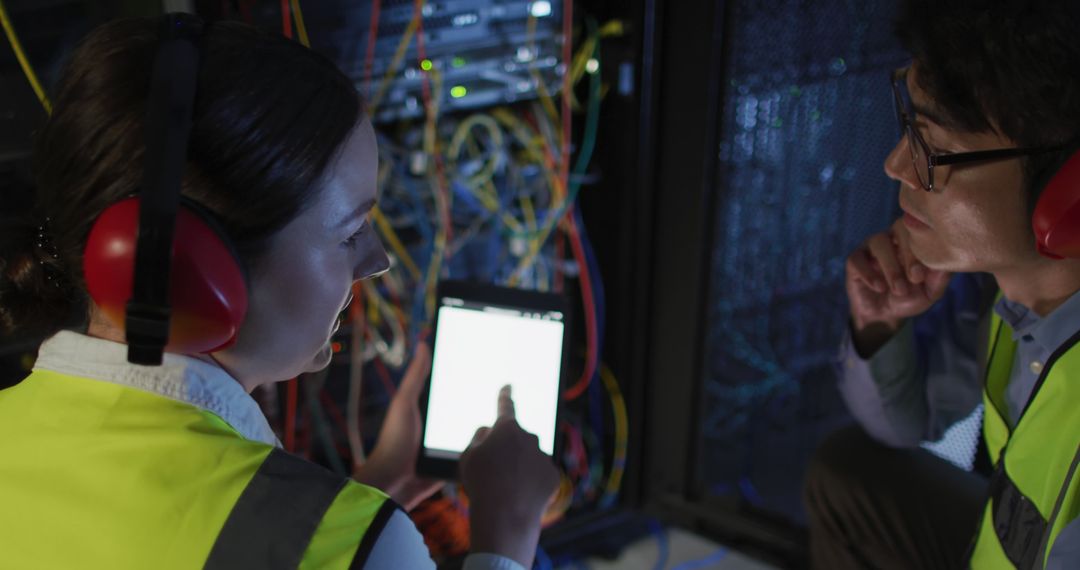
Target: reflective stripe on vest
[1034,492]
[264,531]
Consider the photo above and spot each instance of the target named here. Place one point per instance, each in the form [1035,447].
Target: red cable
[592,349]
[560,254]
[576,443]
[286,19]
[384,376]
[306,433]
[290,414]
[339,420]
[334,412]
[564,167]
[583,455]
[245,10]
[440,172]
[590,313]
[568,54]
[373,34]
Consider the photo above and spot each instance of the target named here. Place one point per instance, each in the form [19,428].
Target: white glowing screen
[477,352]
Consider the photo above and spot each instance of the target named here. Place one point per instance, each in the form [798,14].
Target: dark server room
[551,284]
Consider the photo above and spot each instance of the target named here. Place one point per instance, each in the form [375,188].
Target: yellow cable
[13,39]
[392,353]
[463,133]
[300,29]
[613,28]
[581,60]
[379,310]
[558,187]
[622,430]
[520,130]
[530,212]
[548,135]
[432,108]
[541,87]
[536,244]
[391,236]
[433,273]
[512,223]
[443,200]
[395,63]
[560,502]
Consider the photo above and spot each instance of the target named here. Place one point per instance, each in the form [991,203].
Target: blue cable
[749,492]
[661,543]
[599,298]
[417,204]
[704,562]
[542,562]
[595,390]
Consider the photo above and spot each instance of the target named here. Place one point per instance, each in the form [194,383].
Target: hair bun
[36,295]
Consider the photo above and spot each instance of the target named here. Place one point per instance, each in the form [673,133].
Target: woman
[110,464]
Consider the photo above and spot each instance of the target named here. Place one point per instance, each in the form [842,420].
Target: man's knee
[840,464]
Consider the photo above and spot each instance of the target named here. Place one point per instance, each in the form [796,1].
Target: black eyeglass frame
[904,116]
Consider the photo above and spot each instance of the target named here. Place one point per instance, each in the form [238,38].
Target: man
[955,306]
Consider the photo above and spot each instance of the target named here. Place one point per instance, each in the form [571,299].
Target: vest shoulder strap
[387,510]
[265,531]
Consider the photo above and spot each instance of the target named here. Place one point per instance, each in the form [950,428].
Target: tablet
[486,337]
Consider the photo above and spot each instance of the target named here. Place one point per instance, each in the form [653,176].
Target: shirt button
[1036,367]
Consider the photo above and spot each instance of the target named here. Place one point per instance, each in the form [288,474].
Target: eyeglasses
[922,157]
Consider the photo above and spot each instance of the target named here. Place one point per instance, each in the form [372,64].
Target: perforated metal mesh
[806,124]
[960,441]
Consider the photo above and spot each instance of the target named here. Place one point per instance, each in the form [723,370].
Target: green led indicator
[458,62]
[458,91]
[426,65]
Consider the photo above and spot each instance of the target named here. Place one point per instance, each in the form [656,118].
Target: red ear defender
[207,290]
[1056,219]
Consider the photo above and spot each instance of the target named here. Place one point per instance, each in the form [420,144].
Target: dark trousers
[872,506]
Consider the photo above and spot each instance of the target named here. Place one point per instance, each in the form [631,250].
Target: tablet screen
[479,348]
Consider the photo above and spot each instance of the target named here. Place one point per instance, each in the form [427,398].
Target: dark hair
[1009,65]
[270,116]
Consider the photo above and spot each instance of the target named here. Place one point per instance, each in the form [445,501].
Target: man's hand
[886,285]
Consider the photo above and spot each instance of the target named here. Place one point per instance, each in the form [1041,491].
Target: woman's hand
[391,467]
[509,482]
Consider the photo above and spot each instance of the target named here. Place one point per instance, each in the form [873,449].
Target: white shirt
[208,387]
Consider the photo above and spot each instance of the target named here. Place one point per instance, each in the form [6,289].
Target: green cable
[312,387]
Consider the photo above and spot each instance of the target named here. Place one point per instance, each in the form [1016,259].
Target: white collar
[179,377]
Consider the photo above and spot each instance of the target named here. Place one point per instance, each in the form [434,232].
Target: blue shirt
[1036,339]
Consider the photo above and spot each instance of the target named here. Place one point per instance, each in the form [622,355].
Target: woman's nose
[375,261]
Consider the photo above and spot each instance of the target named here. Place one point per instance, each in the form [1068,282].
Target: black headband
[167,129]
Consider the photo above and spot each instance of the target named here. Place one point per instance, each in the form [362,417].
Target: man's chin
[925,256]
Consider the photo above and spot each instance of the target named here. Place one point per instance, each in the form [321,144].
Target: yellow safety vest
[1035,490]
[99,475]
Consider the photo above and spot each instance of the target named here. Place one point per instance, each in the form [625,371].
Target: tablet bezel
[447,468]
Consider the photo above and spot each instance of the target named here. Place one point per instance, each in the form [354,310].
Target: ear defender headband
[157,265]
[1056,220]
